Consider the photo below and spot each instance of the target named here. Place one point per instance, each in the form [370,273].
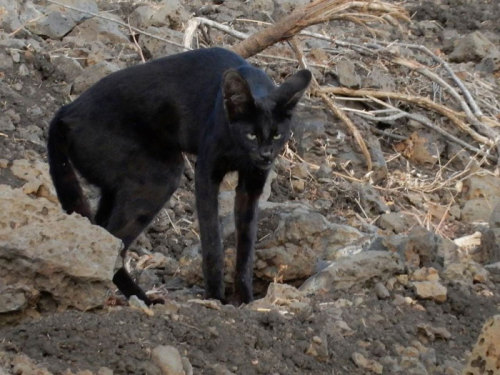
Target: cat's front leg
[207,189]
[250,186]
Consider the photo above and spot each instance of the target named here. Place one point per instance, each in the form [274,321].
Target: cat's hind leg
[134,204]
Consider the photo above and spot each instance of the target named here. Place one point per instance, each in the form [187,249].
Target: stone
[346,72]
[494,222]
[395,222]
[299,237]
[368,364]
[318,348]
[45,251]
[485,355]
[493,271]
[168,359]
[9,15]
[92,74]
[466,272]
[6,123]
[100,29]
[283,297]
[170,13]
[156,48]
[88,6]
[472,47]
[430,290]
[433,333]
[421,148]
[69,67]
[354,271]
[53,25]
[481,193]
[381,291]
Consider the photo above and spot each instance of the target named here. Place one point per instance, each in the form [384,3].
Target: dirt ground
[421,337]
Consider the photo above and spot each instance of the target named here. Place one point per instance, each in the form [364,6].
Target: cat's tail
[63,175]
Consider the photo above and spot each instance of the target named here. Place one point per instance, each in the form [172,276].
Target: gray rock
[51,253]
[379,79]
[53,25]
[93,74]
[67,66]
[494,271]
[299,237]
[6,123]
[76,16]
[494,222]
[381,291]
[346,72]
[473,47]
[170,13]
[168,359]
[396,222]
[9,15]
[101,30]
[354,271]
[12,299]
[157,48]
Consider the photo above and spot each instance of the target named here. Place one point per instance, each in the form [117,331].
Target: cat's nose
[266,152]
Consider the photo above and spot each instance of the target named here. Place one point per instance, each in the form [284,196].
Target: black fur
[127,133]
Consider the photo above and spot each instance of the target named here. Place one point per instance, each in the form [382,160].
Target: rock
[430,290]
[346,72]
[396,222]
[284,298]
[168,359]
[381,291]
[494,222]
[156,48]
[9,15]
[69,67]
[6,123]
[473,47]
[318,348]
[480,246]
[100,29]
[45,252]
[493,271]
[93,74]
[481,193]
[485,354]
[425,274]
[368,364]
[466,272]
[491,63]
[433,333]
[76,16]
[299,236]
[356,270]
[53,25]
[168,13]
[421,148]
[12,299]
[379,79]
[370,199]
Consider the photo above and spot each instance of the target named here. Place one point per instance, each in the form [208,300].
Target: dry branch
[417,100]
[318,11]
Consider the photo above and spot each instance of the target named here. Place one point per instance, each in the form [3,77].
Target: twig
[418,100]
[336,110]
[117,22]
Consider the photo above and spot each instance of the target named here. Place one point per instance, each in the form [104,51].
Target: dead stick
[419,100]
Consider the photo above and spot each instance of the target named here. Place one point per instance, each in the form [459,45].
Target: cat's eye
[277,136]
[251,136]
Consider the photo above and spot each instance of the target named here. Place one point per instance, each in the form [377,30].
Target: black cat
[127,133]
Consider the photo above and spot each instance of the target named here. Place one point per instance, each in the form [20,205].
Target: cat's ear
[289,93]
[238,99]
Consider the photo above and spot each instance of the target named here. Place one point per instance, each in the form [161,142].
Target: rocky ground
[392,271]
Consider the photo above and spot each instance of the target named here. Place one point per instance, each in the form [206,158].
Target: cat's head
[259,113]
